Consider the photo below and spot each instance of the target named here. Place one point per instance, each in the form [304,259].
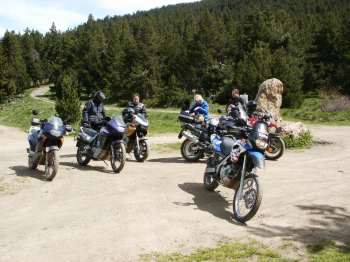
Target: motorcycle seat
[90,131]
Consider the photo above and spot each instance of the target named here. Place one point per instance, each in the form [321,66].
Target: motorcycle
[45,139]
[137,129]
[105,144]
[197,136]
[276,147]
[235,164]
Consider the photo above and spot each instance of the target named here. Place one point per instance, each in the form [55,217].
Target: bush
[68,103]
[303,140]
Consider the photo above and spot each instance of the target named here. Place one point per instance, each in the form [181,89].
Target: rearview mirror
[35,112]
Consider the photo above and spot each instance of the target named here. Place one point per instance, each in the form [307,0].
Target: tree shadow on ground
[211,202]
[87,168]
[173,160]
[327,223]
[24,171]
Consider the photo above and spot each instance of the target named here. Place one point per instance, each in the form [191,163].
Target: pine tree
[68,103]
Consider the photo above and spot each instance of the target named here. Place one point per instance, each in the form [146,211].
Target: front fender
[51,148]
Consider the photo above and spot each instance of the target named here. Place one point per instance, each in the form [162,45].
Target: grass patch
[310,112]
[325,251]
[224,252]
[169,147]
[18,112]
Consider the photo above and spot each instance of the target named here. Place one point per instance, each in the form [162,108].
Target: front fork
[241,183]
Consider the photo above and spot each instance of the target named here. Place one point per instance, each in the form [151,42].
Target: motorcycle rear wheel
[51,165]
[188,153]
[252,198]
[118,157]
[277,147]
[142,154]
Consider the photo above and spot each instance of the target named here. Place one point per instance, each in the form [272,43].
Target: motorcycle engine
[228,173]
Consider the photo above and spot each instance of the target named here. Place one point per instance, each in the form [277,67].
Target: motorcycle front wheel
[190,151]
[210,182]
[275,149]
[51,165]
[118,157]
[83,158]
[142,153]
[246,205]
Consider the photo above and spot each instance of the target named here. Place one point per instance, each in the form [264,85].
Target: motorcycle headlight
[261,143]
[55,133]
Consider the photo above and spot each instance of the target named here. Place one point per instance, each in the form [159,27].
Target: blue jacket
[201,109]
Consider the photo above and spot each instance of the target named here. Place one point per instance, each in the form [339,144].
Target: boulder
[269,97]
[294,129]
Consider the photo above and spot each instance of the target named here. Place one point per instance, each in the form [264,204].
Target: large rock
[269,97]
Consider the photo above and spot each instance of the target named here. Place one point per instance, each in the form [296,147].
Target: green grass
[19,112]
[309,112]
[234,251]
[326,251]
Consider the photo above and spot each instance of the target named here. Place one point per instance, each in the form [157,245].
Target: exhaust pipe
[190,137]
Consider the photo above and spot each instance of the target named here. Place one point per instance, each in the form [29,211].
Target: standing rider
[94,112]
[200,107]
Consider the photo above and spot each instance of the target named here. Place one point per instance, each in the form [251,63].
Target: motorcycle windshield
[54,126]
[141,120]
[56,122]
[116,124]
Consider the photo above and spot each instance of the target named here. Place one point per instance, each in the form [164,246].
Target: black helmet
[251,106]
[100,96]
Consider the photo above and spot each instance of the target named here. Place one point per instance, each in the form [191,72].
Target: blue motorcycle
[235,164]
[105,144]
[45,139]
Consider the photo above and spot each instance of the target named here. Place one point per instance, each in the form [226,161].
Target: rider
[200,107]
[136,106]
[235,101]
[94,112]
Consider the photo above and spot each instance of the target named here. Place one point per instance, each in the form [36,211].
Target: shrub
[303,140]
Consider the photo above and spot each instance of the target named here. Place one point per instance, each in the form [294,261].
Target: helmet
[100,96]
[251,106]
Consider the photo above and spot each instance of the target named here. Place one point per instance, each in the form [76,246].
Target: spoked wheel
[209,182]
[83,157]
[247,204]
[118,157]
[190,151]
[275,149]
[51,165]
[142,153]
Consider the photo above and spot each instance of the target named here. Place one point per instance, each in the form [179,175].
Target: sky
[39,14]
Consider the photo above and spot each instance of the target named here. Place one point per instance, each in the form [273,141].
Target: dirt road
[91,214]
